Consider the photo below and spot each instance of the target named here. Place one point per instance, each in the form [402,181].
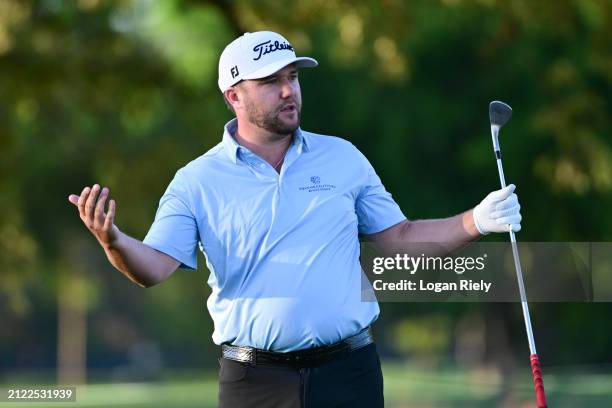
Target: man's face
[274,103]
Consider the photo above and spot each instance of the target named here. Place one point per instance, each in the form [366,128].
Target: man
[278,212]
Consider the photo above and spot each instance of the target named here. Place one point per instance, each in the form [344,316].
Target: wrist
[471,224]
[114,241]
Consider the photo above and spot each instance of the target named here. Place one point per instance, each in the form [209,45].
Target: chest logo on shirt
[315,185]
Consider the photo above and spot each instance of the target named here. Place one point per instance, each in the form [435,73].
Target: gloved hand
[498,212]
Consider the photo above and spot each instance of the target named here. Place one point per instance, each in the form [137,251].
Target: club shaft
[515,254]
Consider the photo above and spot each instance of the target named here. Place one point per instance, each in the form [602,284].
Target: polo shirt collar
[229,143]
[300,140]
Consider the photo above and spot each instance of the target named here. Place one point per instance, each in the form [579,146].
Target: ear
[232,97]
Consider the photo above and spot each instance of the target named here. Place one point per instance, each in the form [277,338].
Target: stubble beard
[271,121]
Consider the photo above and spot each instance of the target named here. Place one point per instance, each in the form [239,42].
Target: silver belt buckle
[236,353]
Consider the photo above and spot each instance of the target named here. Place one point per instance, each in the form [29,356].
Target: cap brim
[300,62]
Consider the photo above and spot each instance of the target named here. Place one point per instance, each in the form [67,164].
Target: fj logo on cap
[234,71]
[266,48]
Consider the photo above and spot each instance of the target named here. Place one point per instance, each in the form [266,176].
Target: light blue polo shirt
[282,249]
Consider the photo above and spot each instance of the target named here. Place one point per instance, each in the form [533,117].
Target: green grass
[406,386]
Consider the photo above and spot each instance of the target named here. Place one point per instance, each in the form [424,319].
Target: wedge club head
[499,113]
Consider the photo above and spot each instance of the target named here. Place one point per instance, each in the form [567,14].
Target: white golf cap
[257,55]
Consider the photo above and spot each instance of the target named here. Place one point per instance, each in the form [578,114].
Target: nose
[287,88]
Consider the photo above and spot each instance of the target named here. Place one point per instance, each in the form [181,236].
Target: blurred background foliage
[123,93]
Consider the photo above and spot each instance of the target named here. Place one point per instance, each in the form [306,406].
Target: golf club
[499,115]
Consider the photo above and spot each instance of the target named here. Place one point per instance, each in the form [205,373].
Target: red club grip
[537,381]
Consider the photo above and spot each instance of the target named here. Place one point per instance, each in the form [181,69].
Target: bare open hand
[91,210]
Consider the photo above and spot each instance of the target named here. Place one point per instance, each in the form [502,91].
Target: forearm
[454,232]
[431,237]
[142,264]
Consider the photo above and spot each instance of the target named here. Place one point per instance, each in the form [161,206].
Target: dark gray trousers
[354,381]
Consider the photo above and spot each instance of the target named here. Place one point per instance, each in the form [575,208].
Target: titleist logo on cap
[269,46]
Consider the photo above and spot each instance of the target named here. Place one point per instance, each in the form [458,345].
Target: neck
[269,146]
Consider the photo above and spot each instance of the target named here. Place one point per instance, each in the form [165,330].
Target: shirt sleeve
[174,230]
[376,210]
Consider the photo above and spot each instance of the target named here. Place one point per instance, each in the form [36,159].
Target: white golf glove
[500,211]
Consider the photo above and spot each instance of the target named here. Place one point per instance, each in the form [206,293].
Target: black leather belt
[304,358]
